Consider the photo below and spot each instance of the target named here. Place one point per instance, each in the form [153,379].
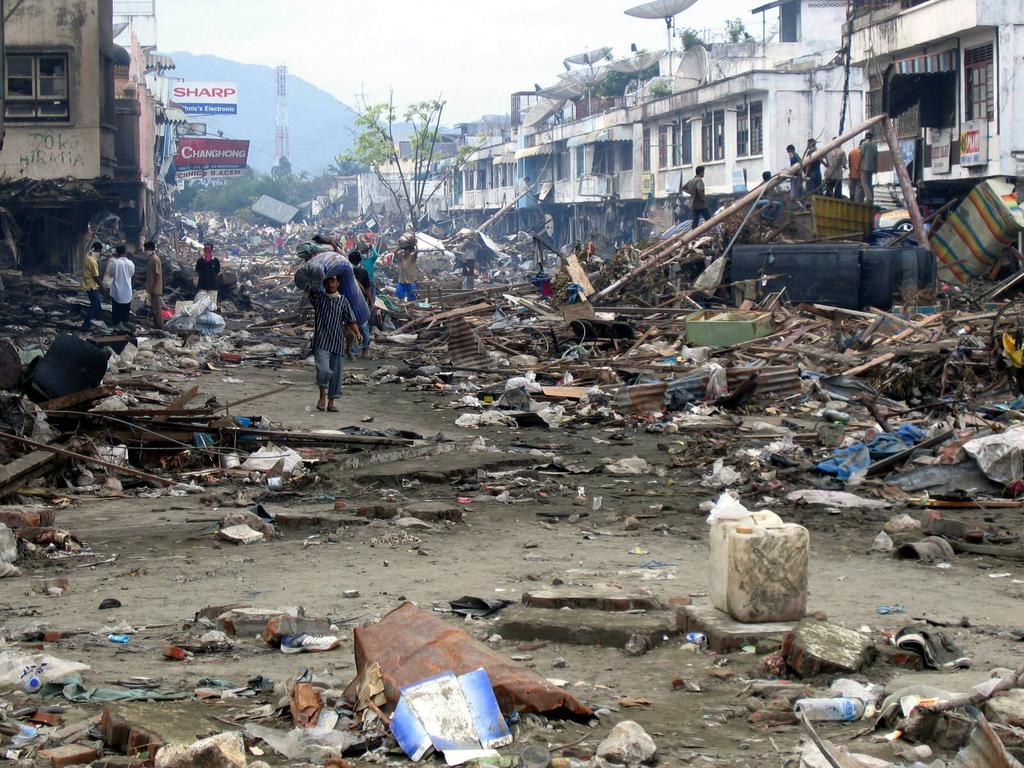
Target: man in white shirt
[120,270]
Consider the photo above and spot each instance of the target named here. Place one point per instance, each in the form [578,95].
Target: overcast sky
[473,54]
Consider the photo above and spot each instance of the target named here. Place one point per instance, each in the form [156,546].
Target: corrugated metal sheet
[464,346]
[275,210]
[642,399]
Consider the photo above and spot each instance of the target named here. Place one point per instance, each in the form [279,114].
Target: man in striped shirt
[331,314]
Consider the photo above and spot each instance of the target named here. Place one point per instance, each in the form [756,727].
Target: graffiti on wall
[52,150]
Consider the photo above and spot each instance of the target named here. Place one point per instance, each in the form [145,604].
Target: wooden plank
[578,274]
[15,472]
[88,459]
[77,398]
[869,364]
[183,399]
[568,393]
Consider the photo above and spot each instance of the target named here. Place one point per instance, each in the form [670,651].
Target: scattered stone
[350,593]
[110,602]
[815,647]
[8,545]
[239,534]
[631,524]
[225,750]
[901,524]
[636,645]
[559,663]
[1007,708]
[628,745]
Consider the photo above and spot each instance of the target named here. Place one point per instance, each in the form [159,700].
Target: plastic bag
[728,507]
[720,475]
[15,667]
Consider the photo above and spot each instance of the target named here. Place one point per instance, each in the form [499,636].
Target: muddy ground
[169,566]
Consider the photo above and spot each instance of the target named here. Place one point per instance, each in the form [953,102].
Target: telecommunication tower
[281,146]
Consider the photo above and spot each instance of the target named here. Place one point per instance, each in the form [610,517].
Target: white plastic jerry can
[759,568]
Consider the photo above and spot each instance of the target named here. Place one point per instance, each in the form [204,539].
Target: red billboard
[205,154]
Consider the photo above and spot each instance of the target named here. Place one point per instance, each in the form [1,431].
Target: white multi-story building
[733,108]
[948,72]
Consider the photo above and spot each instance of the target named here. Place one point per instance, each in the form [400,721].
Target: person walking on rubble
[91,284]
[796,186]
[856,193]
[155,284]
[868,166]
[814,178]
[698,202]
[836,162]
[408,271]
[207,274]
[362,276]
[332,314]
[120,271]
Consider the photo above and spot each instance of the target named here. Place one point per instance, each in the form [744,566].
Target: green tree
[736,32]
[616,83]
[413,179]
[690,38]
[346,166]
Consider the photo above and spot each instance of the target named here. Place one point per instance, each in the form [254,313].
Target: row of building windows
[675,140]
[36,87]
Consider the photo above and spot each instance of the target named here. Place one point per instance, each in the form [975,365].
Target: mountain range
[319,125]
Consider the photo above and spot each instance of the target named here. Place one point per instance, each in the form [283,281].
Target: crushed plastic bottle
[842,709]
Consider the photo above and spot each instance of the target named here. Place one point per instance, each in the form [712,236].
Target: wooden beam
[909,195]
[77,398]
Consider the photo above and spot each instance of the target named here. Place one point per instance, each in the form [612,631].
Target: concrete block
[724,633]
[592,599]
[279,626]
[139,729]
[248,622]
[432,511]
[68,754]
[586,627]
[815,647]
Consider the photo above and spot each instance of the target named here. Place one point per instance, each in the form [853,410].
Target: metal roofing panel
[275,210]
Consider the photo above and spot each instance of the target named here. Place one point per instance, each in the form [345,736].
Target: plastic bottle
[697,638]
[31,684]
[840,709]
[24,735]
[831,414]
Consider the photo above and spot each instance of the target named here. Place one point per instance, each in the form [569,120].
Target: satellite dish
[693,69]
[637,63]
[660,9]
[589,57]
[542,110]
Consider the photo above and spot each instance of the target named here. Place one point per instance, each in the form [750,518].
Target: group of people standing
[117,282]
[862,164]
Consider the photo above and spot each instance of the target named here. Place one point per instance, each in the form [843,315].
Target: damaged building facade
[617,170]
[79,131]
[945,71]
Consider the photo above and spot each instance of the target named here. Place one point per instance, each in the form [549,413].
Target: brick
[816,647]
[279,626]
[46,718]
[27,517]
[175,653]
[69,754]
[247,622]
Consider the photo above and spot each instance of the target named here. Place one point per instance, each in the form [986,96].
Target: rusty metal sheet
[464,346]
[411,644]
[644,399]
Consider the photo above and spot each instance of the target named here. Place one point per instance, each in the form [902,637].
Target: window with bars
[676,146]
[687,153]
[646,159]
[719,123]
[624,162]
[663,146]
[561,165]
[756,114]
[742,132]
[706,139]
[581,162]
[36,87]
[979,79]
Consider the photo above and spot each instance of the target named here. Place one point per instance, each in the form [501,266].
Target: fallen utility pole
[508,207]
[662,251]
[905,184]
